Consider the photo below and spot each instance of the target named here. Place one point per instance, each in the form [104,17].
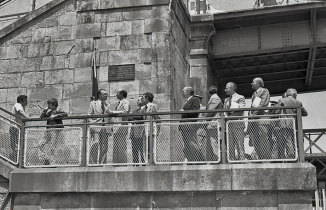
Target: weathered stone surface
[3,95]
[62,48]
[103,74]
[146,13]
[161,39]
[44,93]
[14,92]
[67,19]
[143,71]
[86,17]
[31,64]
[39,35]
[59,77]
[136,41]
[60,33]
[53,62]
[124,57]
[79,105]
[38,49]
[83,60]
[156,25]
[84,45]
[138,27]
[88,30]
[83,74]
[78,90]
[10,52]
[104,59]
[132,87]
[108,16]
[147,55]
[32,78]
[108,43]
[119,28]
[10,80]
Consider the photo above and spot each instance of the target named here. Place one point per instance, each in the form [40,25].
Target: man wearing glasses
[98,151]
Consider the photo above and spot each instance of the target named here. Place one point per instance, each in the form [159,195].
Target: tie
[102,107]
[230,100]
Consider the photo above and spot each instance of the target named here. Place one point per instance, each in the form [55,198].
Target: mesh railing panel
[265,140]
[117,145]
[9,141]
[53,147]
[187,142]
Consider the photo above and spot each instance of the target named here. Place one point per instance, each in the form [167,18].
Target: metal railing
[169,140]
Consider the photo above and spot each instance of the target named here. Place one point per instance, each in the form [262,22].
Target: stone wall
[50,54]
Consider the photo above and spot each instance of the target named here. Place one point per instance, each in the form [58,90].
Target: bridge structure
[55,49]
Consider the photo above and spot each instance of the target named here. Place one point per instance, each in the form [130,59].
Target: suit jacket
[122,107]
[290,101]
[151,107]
[96,109]
[236,98]
[193,103]
[56,120]
[264,95]
[214,102]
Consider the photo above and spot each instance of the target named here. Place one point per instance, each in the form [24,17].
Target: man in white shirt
[19,110]
[236,129]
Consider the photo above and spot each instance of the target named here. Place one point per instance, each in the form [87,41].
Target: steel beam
[313,49]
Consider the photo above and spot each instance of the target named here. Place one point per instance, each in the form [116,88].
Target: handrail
[170,113]
[7,112]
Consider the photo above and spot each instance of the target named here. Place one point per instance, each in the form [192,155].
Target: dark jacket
[57,120]
[290,101]
[192,104]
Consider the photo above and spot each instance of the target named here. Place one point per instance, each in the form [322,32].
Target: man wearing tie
[236,129]
[119,138]
[98,153]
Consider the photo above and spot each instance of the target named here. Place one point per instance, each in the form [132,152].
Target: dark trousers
[14,138]
[259,139]
[137,150]
[285,143]
[188,133]
[212,135]
[120,145]
[98,152]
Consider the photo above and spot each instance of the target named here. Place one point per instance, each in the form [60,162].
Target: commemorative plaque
[122,72]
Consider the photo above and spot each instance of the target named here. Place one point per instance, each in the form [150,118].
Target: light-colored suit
[264,95]
[151,107]
[214,102]
[96,109]
[122,107]
[236,99]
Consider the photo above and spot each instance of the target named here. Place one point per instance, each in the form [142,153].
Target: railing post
[198,6]
[222,134]
[84,144]
[21,147]
[151,141]
[300,135]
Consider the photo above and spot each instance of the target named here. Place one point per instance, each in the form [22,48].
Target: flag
[94,76]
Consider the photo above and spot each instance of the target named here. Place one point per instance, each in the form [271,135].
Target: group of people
[196,139]
[260,133]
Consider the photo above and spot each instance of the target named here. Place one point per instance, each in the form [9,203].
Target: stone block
[32,78]
[67,19]
[44,93]
[84,5]
[124,57]
[143,71]
[59,77]
[108,43]
[198,71]
[85,17]
[10,80]
[39,35]
[161,39]
[156,25]
[103,59]
[119,28]
[138,41]
[88,30]
[82,60]
[147,55]
[83,74]
[146,13]
[132,87]
[38,49]
[14,92]
[10,52]
[62,48]
[84,45]
[65,201]
[138,27]
[109,16]
[48,22]
[31,64]
[3,95]
[60,33]
[103,29]
[79,106]
[103,74]
[52,62]
[110,4]
[161,53]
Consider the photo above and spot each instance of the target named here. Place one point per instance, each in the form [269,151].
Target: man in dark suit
[188,131]
[285,137]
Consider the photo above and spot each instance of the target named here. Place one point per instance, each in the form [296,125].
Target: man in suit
[98,153]
[236,129]
[285,137]
[119,138]
[213,103]
[258,130]
[149,105]
[188,131]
